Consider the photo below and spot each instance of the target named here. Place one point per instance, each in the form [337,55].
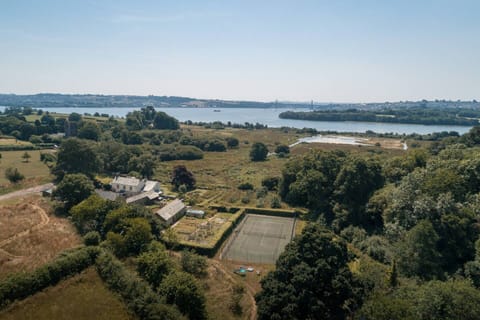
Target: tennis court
[259,239]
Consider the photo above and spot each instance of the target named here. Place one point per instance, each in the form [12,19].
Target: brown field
[13,142]
[34,170]
[31,235]
[81,297]
[218,287]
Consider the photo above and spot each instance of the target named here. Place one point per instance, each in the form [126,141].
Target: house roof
[107,195]
[127,181]
[171,209]
[150,185]
[150,195]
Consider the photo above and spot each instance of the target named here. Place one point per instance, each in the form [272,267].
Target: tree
[13,175]
[74,117]
[181,288]
[26,156]
[154,264]
[144,164]
[258,152]
[76,156]
[418,253]
[181,176]
[271,183]
[89,130]
[164,121]
[89,215]
[73,189]
[193,263]
[311,281]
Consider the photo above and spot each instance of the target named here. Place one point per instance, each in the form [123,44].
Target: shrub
[245,186]
[275,203]
[271,183]
[92,238]
[232,142]
[13,175]
[282,149]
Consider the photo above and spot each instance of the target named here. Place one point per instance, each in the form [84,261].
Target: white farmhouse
[127,185]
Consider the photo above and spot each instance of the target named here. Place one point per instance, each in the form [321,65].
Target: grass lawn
[81,297]
[34,169]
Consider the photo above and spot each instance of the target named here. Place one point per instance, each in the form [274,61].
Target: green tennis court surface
[259,239]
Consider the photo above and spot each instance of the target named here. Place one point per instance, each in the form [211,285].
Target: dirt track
[25,192]
[44,221]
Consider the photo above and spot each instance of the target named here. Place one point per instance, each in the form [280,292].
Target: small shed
[195,213]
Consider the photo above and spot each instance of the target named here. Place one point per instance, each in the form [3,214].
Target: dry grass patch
[81,297]
[31,235]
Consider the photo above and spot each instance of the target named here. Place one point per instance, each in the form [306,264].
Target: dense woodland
[413,115]
[388,237]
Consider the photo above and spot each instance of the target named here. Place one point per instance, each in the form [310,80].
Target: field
[31,235]
[259,239]
[81,297]
[218,174]
[35,171]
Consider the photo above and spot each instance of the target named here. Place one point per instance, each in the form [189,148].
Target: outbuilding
[195,213]
[171,212]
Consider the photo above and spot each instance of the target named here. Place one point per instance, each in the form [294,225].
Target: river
[270,117]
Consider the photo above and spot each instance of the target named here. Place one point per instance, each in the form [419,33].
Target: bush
[275,203]
[92,238]
[245,186]
[13,175]
[262,192]
[271,183]
[170,153]
[258,152]
[232,142]
[282,149]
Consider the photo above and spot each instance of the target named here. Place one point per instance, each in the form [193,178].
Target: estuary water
[270,117]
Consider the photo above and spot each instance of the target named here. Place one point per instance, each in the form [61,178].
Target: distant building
[71,128]
[127,185]
[171,212]
[195,213]
[143,198]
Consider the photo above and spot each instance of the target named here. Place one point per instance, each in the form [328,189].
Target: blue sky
[253,50]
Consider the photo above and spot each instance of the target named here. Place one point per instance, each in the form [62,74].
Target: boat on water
[216,110]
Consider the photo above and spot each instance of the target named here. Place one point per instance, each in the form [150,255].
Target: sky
[298,50]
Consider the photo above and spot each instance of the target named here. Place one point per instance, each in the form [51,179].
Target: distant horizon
[349,51]
[242,100]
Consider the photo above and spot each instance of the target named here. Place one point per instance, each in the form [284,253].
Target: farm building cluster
[148,192]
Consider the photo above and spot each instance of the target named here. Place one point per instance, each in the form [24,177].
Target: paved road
[25,192]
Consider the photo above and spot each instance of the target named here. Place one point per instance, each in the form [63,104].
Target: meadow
[83,296]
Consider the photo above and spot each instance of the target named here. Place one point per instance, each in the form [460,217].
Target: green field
[34,169]
[81,297]
[260,239]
